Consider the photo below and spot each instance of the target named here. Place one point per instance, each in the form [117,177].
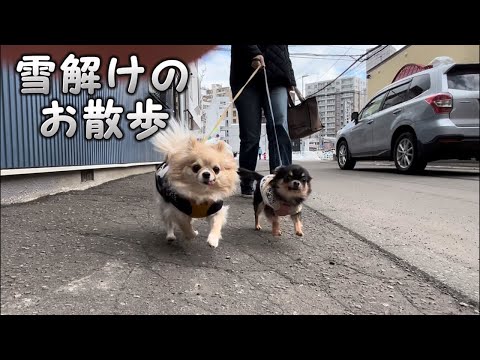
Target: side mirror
[355,116]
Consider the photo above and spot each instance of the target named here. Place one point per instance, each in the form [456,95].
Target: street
[431,221]
[375,243]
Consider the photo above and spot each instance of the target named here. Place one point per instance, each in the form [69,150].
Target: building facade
[336,102]
[377,54]
[214,102]
[384,72]
[65,159]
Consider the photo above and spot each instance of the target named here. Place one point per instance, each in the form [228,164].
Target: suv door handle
[396,111]
[369,121]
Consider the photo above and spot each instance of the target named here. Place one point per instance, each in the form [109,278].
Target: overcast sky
[216,64]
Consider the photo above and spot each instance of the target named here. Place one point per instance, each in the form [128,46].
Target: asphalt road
[103,251]
[431,220]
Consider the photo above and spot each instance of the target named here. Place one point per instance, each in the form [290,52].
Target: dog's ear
[229,163]
[220,146]
[192,142]
[307,175]
[277,169]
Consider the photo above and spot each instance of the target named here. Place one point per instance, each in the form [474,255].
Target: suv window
[396,96]
[372,107]
[464,79]
[418,86]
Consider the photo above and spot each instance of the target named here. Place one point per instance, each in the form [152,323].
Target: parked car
[430,115]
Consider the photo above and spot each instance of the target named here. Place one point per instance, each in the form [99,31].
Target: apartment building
[336,102]
[214,102]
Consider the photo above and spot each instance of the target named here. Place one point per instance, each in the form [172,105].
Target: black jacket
[277,63]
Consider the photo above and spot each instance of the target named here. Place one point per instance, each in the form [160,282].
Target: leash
[273,119]
[220,119]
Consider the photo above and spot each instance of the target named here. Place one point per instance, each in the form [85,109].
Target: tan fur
[259,211]
[190,184]
[297,223]
[276,226]
[182,151]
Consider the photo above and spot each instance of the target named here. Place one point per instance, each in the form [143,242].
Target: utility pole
[303,89]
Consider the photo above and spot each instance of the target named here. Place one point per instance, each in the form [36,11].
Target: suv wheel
[344,159]
[407,158]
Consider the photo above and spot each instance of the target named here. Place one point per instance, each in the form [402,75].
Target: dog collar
[185,205]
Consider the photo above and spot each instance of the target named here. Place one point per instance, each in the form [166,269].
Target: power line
[305,53]
[333,46]
[335,63]
[348,68]
[375,53]
[320,58]
[338,55]
[355,70]
[341,92]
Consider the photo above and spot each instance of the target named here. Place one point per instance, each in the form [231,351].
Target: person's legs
[249,110]
[279,98]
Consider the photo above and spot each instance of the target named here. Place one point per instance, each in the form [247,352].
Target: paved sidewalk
[103,251]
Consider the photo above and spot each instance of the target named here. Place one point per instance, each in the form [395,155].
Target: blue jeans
[249,106]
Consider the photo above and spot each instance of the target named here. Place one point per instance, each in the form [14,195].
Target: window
[372,107]
[419,85]
[463,78]
[396,96]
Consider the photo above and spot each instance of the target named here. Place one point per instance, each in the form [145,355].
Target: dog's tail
[249,174]
[173,138]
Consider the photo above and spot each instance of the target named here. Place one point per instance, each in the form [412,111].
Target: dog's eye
[216,169]
[196,168]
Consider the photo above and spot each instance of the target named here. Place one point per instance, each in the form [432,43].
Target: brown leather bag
[303,119]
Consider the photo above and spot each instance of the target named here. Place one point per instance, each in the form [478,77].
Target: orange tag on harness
[200,210]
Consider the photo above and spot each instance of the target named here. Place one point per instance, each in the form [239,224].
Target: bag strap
[299,94]
[290,100]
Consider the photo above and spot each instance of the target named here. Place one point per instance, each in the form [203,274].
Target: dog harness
[280,207]
[183,204]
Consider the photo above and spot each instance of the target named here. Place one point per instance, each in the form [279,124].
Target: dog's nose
[206,175]
[295,184]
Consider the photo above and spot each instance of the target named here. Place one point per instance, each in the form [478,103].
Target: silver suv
[430,115]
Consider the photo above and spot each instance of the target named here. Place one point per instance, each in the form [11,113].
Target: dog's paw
[299,233]
[276,233]
[171,238]
[258,227]
[213,240]
[192,235]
